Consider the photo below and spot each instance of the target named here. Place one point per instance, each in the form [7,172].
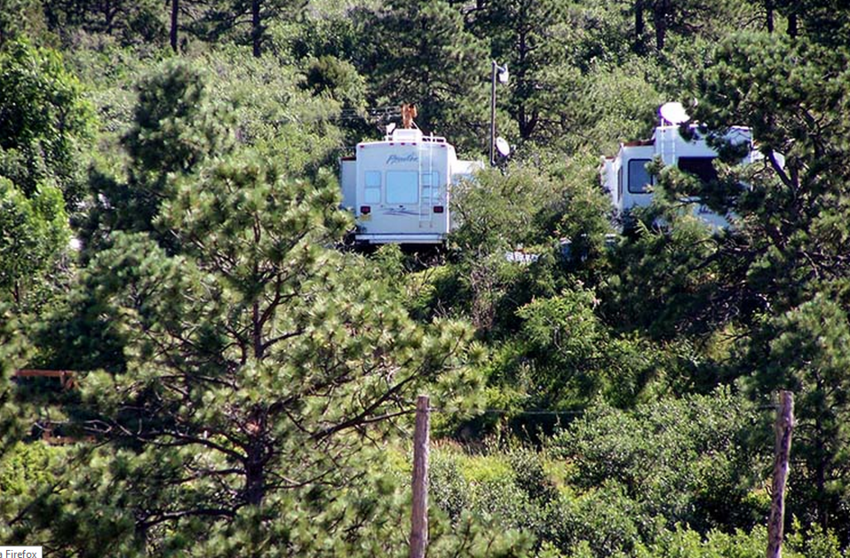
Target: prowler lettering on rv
[630,184]
[399,189]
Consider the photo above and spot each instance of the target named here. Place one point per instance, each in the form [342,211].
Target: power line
[544,412]
[375,113]
[505,411]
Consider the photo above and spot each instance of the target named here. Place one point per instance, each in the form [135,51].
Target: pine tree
[259,361]
[175,128]
[418,52]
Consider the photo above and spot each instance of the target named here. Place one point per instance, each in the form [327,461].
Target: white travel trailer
[629,183]
[399,188]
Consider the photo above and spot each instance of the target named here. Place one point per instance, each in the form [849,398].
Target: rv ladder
[669,135]
[426,185]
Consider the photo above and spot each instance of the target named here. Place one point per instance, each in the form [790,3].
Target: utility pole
[784,426]
[502,73]
[419,519]
[493,116]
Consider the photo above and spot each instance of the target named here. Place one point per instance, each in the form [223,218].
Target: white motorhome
[629,183]
[399,188]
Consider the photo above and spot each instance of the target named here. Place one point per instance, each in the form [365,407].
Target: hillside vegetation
[170,229]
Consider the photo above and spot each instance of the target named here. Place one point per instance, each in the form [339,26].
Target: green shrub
[690,460]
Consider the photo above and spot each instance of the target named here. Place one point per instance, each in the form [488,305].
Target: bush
[690,460]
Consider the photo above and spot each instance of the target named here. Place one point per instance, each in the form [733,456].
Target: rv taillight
[438,209]
[365,209]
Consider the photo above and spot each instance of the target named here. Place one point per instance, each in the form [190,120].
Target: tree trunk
[108,15]
[256,28]
[660,19]
[255,482]
[523,88]
[255,458]
[639,24]
[257,331]
[769,7]
[141,530]
[175,6]
[792,25]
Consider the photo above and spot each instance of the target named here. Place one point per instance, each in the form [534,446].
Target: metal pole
[493,115]
[784,426]
[419,519]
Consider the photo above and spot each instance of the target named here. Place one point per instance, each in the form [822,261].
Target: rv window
[372,194]
[639,178]
[702,167]
[402,187]
[373,179]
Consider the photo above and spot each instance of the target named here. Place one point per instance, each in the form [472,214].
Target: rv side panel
[348,183]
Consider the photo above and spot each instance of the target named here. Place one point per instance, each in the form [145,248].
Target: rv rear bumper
[402,238]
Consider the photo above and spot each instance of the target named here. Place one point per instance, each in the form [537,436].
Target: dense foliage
[170,229]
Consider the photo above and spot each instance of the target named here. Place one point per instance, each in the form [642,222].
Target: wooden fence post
[784,426]
[419,519]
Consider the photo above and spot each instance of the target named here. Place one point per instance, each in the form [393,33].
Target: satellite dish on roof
[674,113]
[503,147]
